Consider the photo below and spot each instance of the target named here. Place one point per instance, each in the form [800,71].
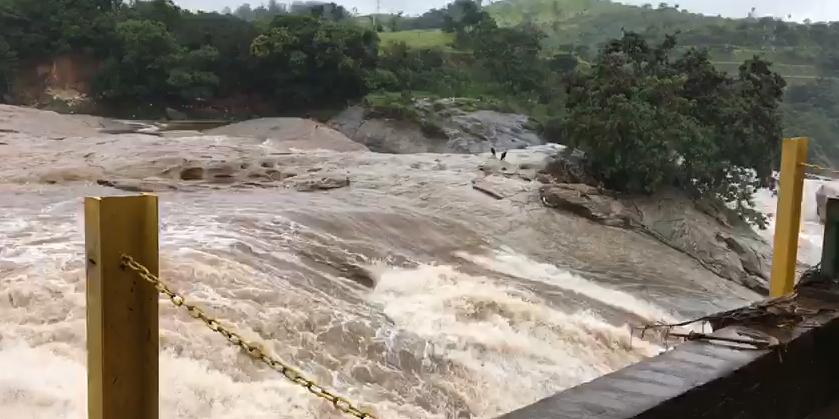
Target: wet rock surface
[283,153]
[589,202]
[718,240]
[394,276]
[311,183]
[293,133]
[715,237]
[443,126]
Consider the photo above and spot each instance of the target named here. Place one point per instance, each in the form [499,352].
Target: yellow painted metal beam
[122,330]
[788,216]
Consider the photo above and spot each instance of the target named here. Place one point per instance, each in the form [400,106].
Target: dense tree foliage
[34,28]
[145,52]
[266,12]
[155,52]
[307,61]
[8,66]
[511,56]
[402,68]
[648,121]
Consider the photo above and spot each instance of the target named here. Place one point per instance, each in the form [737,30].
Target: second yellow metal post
[122,330]
[788,216]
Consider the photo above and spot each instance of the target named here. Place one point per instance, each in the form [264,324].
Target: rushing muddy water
[407,290]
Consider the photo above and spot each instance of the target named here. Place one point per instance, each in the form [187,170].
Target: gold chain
[820,168]
[250,348]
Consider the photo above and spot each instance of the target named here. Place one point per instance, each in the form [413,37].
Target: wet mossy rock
[440,126]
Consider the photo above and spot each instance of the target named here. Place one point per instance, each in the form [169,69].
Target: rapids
[407,291]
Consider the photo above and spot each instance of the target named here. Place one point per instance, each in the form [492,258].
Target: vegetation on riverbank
[584,70]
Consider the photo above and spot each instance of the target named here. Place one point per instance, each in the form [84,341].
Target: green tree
[37,29]
[138,68]
[149,65]
[646,122]
[244,12]
[306,61]
[628,119]
[192,77]
[163,11]
[395,20]
[564,63]
[401,68]
[464,17]
[511,56]
[232,38]
[8,65]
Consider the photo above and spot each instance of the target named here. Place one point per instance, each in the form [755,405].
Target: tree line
[647,116]
[155,52]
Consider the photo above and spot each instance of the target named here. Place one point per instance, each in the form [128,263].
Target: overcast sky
[817,10]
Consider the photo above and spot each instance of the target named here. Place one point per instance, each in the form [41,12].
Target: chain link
[252,349]
[820,168]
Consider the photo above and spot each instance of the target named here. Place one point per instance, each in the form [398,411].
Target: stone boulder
[589,202]
[713,235]
[397,137]
[311,183]
[290,133]
[477,132]
[498,187]
[568,167]
[441,126]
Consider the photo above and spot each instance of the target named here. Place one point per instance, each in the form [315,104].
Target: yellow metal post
[788,216]
[122,332]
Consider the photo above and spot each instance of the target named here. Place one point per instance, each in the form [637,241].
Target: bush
[646,122]
[391,105]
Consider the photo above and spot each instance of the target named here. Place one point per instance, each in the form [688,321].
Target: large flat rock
[294,133]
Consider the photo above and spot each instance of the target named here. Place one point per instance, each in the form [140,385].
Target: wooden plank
[788,221]
[122,329]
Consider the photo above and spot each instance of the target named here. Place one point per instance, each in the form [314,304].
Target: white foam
[520,266]
[36,383]
[811,231]
[511,346]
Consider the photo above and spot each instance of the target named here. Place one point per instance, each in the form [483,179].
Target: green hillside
[581,26]
[587,23]
[803,54]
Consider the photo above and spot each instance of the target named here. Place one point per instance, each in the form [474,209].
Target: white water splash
[508,343]
[811,231]
[475,335]
[520,266]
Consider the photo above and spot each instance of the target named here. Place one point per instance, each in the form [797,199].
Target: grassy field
[419,39]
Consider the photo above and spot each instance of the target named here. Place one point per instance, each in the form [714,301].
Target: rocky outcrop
[441,126]
[396,137]
[318,183]
[498,187]
[589,202]
[477,132]
[137,185]
[713,236]
[293,133]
